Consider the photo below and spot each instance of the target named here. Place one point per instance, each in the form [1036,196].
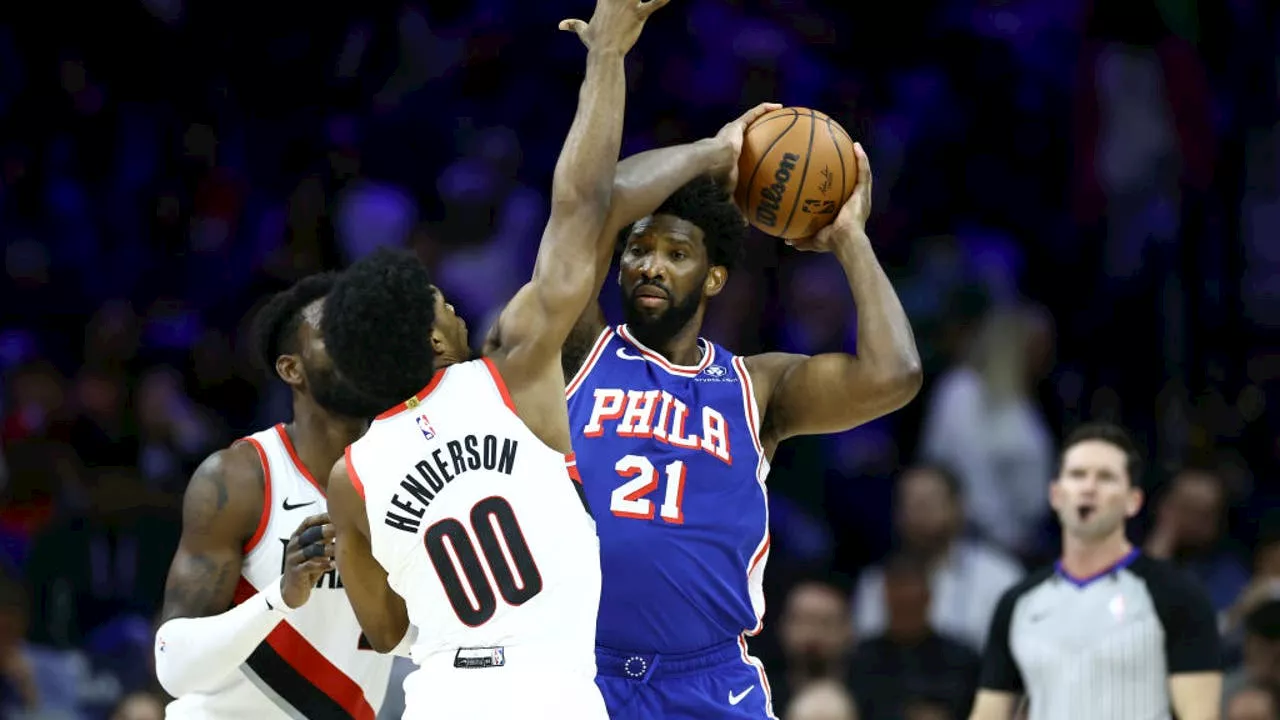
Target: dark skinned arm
[535,324]
[220,510]
[202,638]
[834,392]
[380,611]
[641,184]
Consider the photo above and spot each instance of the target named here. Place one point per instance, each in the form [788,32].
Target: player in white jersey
[255,623]
[455,511]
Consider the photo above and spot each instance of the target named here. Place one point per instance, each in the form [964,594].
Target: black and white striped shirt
[1103,647]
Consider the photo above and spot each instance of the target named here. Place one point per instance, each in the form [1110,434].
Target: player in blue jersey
[674,433]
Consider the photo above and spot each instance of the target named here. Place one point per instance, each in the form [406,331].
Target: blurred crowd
[1077,200]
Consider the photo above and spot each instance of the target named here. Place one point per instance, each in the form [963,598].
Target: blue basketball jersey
[671,461]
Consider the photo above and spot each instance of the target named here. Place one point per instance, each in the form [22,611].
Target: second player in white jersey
[481,527]
[312,664]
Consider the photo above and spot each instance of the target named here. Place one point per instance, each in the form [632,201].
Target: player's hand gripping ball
[797,169]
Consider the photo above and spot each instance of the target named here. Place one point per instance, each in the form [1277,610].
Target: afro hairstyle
[703,202]
[275,326]
[377,325]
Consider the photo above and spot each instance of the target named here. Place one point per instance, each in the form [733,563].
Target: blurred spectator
[1252,702]
[174,434]
[1188,530]
[1264,584]
[815,635]
[19,689]
[1261,663]
[911,662]
[966,576]
[821,700]
[982,421]
[111,559]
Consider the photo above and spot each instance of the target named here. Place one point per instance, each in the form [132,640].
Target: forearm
[585,169]
[885,341]
[583,181]
[645,180]
[196,654]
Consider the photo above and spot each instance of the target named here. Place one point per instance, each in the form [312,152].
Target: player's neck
[320,438]
[682,348]
[1082,559]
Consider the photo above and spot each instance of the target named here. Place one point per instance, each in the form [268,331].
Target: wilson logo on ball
[771,195]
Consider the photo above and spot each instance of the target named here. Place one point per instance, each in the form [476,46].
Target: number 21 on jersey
[629,500]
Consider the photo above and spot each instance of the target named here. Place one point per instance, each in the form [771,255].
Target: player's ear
[438,343]
[1133,504]
[289,368]
[717,276]
[1055,493]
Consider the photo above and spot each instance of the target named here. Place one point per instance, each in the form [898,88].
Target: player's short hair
[275,326]
[1113,435]
[377,325]
[950,479]
[703,202]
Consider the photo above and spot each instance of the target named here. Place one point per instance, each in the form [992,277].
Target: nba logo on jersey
[424,425]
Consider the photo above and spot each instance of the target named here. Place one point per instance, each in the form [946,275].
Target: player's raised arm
[834,392]
[202,638]
[382,613]
[641,184]
[538,319]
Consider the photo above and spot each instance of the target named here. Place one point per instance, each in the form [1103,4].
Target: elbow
[577,195]
[901,383]
[384,642]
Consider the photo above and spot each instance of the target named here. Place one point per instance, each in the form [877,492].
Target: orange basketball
[796,170]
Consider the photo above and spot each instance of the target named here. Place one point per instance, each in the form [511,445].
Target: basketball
[796,170]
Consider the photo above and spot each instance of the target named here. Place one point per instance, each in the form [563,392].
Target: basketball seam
[795,118]
[808,157]
[831,130]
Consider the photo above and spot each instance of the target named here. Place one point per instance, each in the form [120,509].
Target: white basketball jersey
[481,528]
[315,663]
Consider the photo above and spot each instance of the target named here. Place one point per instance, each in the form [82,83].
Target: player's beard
[656,331]
[335,395]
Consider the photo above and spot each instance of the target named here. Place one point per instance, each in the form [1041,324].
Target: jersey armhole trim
[597,350]
[265,518]
[749,403]
[500,383]
[571,465]
[352,474]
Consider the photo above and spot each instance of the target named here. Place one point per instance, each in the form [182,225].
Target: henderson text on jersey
[429,475]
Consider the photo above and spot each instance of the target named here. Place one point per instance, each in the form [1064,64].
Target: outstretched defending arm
[202,639]
[538,319]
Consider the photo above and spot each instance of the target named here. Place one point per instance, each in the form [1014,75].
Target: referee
[1106,633]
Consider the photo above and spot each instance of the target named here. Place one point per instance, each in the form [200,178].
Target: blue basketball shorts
[722,681]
